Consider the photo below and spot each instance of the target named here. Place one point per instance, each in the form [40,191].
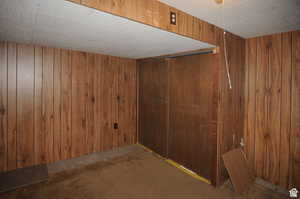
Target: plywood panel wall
[57,104]
[272,116]
[231,100]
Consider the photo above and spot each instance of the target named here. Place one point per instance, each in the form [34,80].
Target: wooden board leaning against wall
[57,104]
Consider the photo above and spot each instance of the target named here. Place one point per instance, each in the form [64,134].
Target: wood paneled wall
[154,104]
[231,101]
[272,107]
[157,14]
[58,104]
[229,104]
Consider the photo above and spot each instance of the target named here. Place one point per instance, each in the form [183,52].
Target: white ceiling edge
[246,18]
[62,24]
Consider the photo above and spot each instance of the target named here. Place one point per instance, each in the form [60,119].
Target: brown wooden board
[39,135]
[66,104]
[25,104]
[193,112]
[57,150]
[79,122]
[153,104]
[295,131]
[47,99]
[238,169]
[12,107]
[3,106]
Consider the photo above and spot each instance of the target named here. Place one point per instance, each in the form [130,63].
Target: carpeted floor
[133,175]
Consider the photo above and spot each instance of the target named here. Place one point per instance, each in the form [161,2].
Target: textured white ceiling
[247,18]
[59,23]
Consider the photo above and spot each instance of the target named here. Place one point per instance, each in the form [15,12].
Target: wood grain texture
[231,101]
[193,117]
[241,176]
[52,101]
[12,106]
[57,106]
[79,94]
[66,104]
[3,106]
[272,107]
[295,127]
[127,103]
[153,105]
[39,135]
[47,98]
[225,107]
[25,105]
[91,104]
[285,130]
[251,62]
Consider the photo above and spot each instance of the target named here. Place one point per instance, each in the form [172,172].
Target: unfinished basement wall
[272,119]
[58,104]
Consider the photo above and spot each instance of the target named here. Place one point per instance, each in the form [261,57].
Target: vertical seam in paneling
[53,104]
[17,156]
[290,101]
[43,109]
[291,153]
[255,97]
[281,87]
[70,62]
[60,105]
[6,161]
[34,130]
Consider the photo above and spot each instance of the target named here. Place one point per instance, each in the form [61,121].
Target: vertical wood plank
[104,5]
[261,105]
[197,28]
[3,106]
[130,9]
[115,98]
[144,11]
[272,136]
[127,103]
[98,99]
[39,133]
[79,93]
[164,16]
[284,159]
[25,106]
[91,108]
[48,93]
[57,150]
[208,34]
[109,76]
[12,107]
[66,104]
[295,128]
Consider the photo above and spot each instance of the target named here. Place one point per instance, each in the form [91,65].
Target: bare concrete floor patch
[133,174]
